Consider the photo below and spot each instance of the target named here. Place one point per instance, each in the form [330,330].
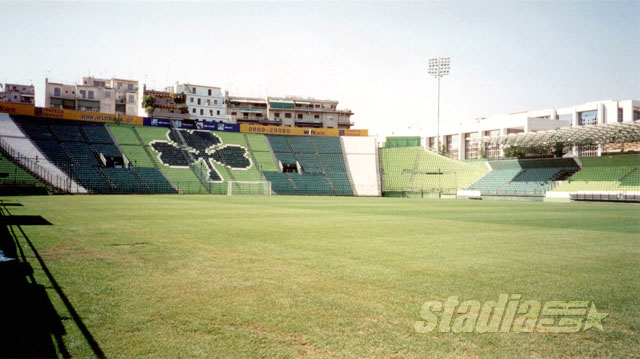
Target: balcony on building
[27,99]
[67,104]
[88,105]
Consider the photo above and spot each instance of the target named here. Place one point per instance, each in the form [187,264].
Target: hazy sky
[371,56]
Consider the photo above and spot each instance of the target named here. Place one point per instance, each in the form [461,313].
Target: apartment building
[250,110]
[114,96]
[164,104]
[15,93]
[205,103]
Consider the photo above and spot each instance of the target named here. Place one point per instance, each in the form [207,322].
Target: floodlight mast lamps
[438,68]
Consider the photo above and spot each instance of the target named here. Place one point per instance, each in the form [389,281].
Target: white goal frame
[266,189]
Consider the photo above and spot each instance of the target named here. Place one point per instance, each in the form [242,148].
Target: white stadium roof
[581,135]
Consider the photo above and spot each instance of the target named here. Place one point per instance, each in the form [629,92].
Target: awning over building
[85,103]
[239,100]
[580,135]
[284,104]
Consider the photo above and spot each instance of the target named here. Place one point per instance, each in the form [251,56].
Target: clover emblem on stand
[206,148]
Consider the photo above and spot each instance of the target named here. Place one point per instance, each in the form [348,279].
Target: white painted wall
[362,163]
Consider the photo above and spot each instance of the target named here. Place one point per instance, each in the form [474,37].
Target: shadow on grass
[31,327]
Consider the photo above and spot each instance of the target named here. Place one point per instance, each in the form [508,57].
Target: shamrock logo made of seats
[206,148]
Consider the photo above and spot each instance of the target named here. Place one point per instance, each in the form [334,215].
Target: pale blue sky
[506,56]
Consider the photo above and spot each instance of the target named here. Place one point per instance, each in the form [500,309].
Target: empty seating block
[75,147]
[524,177]
[493,181]
[154,180]
[309,163]
[97,133]
[286,158]
[631,182]
[138,156]
[67,132]
[531,181]
[415,169]
[311,183]
[280,184]
[90,178]
[107,150]
[333,162]
[301,144]
[279,144]
[397,163]
[323,171]
[265,161]
[55,153]
[124,135]
[328,144]
[258,143]
[184,179]
[341,183]
[10,173]
[607,173]
[232,156]
[148,134]
[124,180]
[36,129]
[80,153]
[232,138]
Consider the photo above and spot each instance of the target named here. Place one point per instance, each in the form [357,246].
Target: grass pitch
[287,277]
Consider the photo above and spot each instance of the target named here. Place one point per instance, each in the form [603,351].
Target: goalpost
[257,188]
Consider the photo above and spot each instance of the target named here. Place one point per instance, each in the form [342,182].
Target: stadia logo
[508,314]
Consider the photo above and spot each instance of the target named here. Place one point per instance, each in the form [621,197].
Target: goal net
[257,188]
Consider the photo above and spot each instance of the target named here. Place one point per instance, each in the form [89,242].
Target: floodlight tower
[439,67]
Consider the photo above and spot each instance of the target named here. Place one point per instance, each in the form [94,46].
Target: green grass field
[287,277]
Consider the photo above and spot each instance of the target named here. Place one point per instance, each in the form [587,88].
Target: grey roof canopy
[582,135]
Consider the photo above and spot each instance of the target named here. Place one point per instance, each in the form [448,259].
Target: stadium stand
[75,148]
[97,134]
[136,144]
[137,159]
[20,149]
[153,179]
[319,164]
[15,180]
[532,177]
[261,152]
[221,156]
[631,182]
[280,182]
[495,180]
[608,173]
[410,170]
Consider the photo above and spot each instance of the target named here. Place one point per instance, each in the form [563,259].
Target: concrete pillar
[600,117]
